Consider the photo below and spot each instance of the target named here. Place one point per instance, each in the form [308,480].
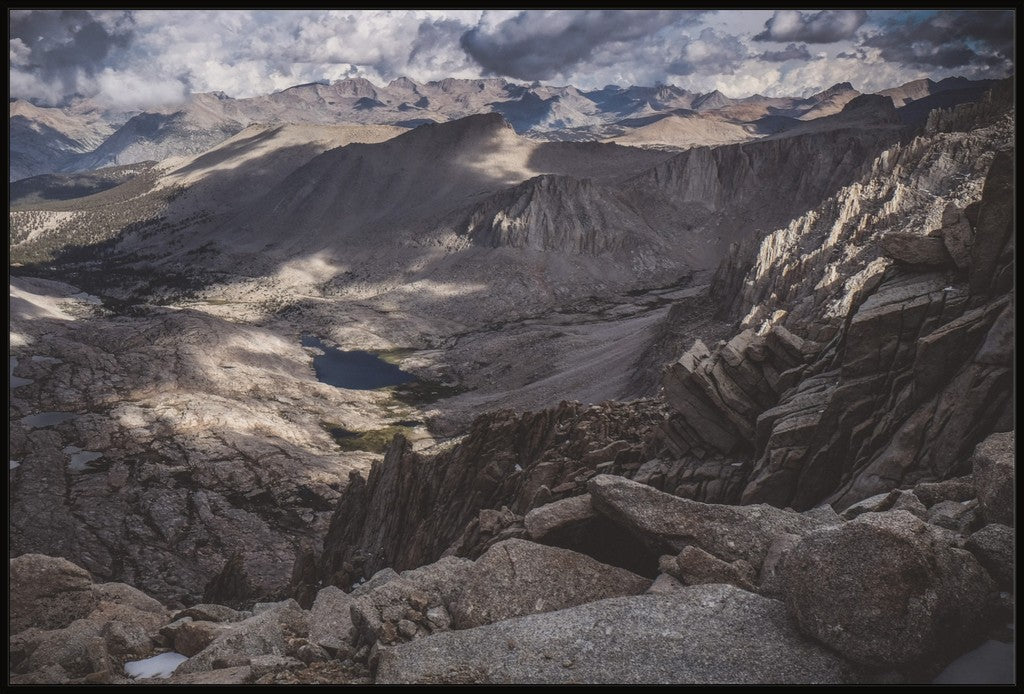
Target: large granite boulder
[545,520]
[993,463]
[265,633]
[330,618]
[48,592]
[710,634]
[516,577]
[993,547]
[669,523]
[410,606]
[884,589]
[916,249]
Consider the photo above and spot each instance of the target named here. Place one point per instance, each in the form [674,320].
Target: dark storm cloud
[61,45]
[709,53]
[949,39]
[435,36]
[826,26]
[538,45]
[791,52]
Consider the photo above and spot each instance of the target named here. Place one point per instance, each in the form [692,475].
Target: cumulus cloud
[826,26]
[538,45]
[791,52]
[950,39]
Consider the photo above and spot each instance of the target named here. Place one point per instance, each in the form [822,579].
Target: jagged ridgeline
[703,389]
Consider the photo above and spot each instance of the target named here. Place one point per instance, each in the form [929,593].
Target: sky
[135,59]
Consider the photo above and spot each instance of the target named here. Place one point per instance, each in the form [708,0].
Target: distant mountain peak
[835,89]
[403,82]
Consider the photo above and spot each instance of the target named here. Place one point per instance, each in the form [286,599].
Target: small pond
[16,381]
[356,369]
[46,419]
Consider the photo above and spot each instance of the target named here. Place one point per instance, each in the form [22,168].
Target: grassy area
[395,356]
[424,392]
[374,440]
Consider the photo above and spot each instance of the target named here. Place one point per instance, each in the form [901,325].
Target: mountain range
[84,137]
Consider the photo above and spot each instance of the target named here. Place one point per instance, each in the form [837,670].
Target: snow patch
[162,665]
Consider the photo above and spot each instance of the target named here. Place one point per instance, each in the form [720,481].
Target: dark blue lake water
[354,369]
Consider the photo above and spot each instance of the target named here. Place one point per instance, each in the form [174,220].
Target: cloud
[826,26]
[150,58]
[950,39]
[538,45]
[710,53]
[791,52]
[64,48]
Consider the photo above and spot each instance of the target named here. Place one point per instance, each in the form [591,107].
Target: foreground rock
[993,547]
[48,592]
[410,606]
[67,629]
[270,632]
[515,578]
[709,634]
[885,589]
[994,477]
[668,523]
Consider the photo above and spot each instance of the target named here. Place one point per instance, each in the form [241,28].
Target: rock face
[516,577]
[330,619]
[994,477]
[173,496]
[557,213]
[411,508]
[884,589]
[700,635]
[850,374]
[558,516]
[694,567]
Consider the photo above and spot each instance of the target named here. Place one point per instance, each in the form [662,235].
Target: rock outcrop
[852,374]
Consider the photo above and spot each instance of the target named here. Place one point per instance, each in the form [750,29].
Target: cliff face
[558,213]
[876,331]
[736,192]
